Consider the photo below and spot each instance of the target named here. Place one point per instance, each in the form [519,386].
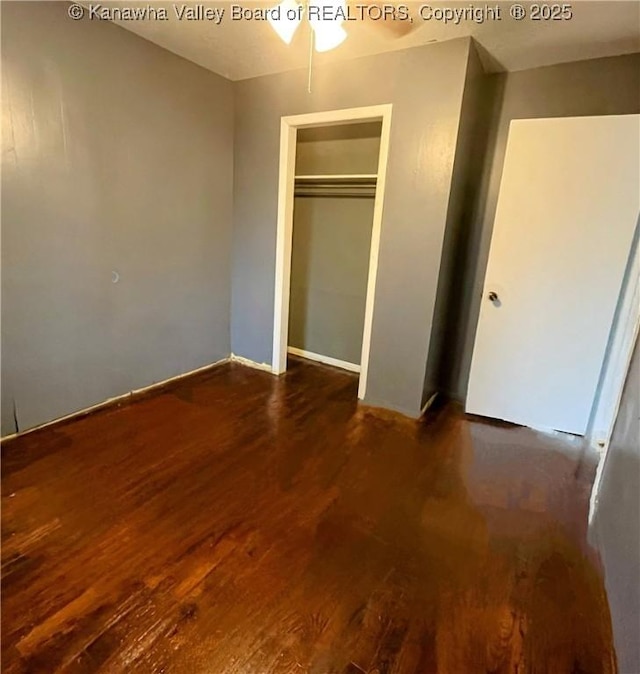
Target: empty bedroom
[319,329]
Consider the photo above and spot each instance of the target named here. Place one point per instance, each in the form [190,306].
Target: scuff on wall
[15,416]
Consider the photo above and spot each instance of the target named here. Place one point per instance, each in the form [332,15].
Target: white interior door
[566,214]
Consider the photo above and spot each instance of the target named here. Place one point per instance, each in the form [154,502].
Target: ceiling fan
[326,18]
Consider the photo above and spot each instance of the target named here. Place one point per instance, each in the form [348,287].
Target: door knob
[493,296]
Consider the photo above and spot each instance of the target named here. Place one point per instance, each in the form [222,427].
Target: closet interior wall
[336,168]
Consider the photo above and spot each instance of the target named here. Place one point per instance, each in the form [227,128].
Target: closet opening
[331,192]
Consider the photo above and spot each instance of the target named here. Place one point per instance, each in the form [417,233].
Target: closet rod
[337,185]
[336,181]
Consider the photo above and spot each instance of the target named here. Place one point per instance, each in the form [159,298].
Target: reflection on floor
[242,523]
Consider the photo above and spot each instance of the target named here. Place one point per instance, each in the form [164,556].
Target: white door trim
[616,370]
[288,131]
[624,333]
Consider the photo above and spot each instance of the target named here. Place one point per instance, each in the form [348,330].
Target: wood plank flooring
[238,523]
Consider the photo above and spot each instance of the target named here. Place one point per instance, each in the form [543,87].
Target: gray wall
[344,148]
[117,155]
[616,524]
[425,86]
[606,86]
[475,120]
[329,271]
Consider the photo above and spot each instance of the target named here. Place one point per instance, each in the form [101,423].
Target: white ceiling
[242,49]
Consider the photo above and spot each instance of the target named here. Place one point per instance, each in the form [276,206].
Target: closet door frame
[289,126]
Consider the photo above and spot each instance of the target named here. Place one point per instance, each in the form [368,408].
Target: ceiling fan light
[285,19]
[328,36]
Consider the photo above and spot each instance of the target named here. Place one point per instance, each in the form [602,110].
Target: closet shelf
[336,185]
[340,177]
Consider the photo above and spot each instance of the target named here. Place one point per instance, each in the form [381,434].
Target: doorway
[330,176]
[560,248]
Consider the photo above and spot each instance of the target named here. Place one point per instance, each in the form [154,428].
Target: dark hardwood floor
[242,523]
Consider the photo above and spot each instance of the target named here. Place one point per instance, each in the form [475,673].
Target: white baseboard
[428,404]
[595,489]
[326,360]
[116,399]
[250,363]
